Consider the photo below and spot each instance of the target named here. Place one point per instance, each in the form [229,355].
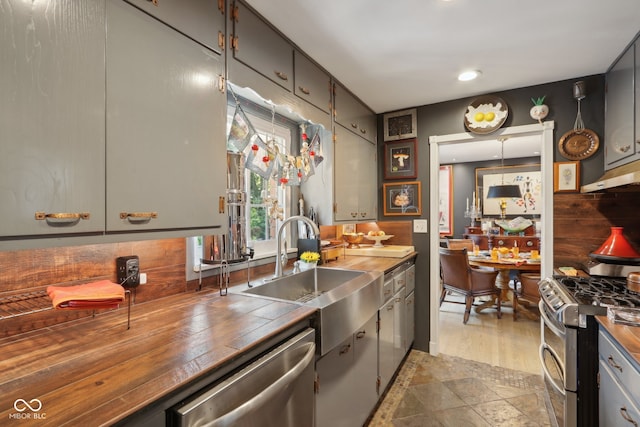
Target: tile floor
[450,391]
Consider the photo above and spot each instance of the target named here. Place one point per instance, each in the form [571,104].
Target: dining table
[505,265]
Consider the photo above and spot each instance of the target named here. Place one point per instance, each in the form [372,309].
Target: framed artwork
[400,159]
[400,125]
[402,198]
[445,201]
[528,177]
[566,177]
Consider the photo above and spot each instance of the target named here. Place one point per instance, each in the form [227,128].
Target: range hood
[620,177]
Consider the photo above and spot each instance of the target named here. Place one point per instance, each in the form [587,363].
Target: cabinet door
[201,20]
[353,115]
[355,180]
[619,112]
[386,363]
[616,408]
[637,100]
[346,169]
[410,323]
[311,83]
[51,116]
[399,327]
[260,47]
[364,373]
[332,406]
[165,126]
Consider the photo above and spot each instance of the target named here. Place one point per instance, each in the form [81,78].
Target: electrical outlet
[128,270]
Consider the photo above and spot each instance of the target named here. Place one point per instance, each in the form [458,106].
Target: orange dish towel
[96,295]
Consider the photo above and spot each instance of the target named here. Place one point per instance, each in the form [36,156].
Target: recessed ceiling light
[468,75]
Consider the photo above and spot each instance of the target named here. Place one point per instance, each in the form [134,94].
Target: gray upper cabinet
[165,124]
[353,114]
[201,20]
[257,45]
[620,145]
[311,83]
[52,118]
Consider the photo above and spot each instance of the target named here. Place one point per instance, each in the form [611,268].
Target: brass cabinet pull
[221,204]
[221,6]
[304,90]
[627,417]
[611,361]
[62,218]
[354,125]
[281,75]
[360,335]
[154,2]
[345,349]
[138,216]
[390,307]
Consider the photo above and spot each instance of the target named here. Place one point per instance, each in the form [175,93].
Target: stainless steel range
[569,345]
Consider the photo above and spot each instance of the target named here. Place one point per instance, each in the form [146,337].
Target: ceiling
[407,53]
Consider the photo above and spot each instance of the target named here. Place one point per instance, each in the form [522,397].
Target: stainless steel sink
[345,299]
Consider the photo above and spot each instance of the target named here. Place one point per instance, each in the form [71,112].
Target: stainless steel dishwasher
[274,390]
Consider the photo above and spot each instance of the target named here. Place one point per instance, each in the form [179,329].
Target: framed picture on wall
[445,208]
[402,198]
[400,159]
[527,177]
[400,125]
[566,177]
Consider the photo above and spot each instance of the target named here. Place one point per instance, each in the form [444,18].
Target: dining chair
[459,277]
[526,289]
[460,243]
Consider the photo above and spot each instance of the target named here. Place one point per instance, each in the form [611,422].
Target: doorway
[545,132]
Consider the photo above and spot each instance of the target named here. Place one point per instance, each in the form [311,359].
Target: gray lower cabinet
[391,342]
[52,118]
[619,393]
[410,323]
[346,380]
[165,126]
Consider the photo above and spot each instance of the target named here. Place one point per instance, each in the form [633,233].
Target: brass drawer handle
[627,417]
[363,131]
[304,90]
[62,218]
[138,216]
[354,125]
[360,335]
[611,361]
[154,2]
[281,75]
[345,349]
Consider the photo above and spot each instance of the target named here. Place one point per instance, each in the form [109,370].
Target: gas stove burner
[600,291]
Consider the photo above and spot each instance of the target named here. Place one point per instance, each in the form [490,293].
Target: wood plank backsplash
[582,223]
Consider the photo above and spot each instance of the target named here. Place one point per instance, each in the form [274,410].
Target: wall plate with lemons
[486,114]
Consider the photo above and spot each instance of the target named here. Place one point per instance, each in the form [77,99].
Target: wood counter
[93,371]
[627,336]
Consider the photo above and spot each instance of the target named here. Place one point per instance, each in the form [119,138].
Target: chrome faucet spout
[316,233]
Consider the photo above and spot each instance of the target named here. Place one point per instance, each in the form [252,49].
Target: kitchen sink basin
[345,299]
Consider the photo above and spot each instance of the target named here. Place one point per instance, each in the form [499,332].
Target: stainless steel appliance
[569,344]
[275,390]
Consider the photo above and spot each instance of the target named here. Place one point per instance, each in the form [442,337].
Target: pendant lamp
[504,191]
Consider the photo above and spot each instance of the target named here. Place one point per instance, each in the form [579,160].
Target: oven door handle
[556,359]
[548,322]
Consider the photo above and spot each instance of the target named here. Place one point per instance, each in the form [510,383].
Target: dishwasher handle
[262,398]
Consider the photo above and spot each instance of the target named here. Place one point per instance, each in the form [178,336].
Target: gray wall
[447,118]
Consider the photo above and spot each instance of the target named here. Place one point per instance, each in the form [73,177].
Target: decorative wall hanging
[241,131]
[445,209]
[260,158]
[539,110]
[527,177]
[566,177]
[402,198]
[400,125]
[579,143]
[400,159]
[485,115]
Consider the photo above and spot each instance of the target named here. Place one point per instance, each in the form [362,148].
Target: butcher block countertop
[94,371]
[627,336]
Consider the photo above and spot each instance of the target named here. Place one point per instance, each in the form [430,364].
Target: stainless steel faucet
[316,233]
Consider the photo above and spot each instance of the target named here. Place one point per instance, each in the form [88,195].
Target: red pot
[617,246]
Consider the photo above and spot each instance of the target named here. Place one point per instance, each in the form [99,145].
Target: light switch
[420,226]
